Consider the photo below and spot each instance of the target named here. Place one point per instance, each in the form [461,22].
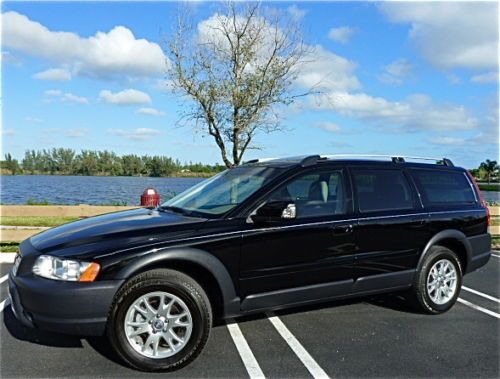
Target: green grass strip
[35,220]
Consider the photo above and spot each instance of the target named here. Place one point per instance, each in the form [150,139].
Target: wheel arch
[454,240]
[202,266]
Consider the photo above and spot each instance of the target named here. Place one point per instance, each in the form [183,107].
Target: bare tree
[237,67]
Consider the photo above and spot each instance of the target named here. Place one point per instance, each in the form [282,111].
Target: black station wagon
[265,235]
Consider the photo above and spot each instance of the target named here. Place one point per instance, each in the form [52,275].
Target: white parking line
[251,364]
[481,294]
[4,278]
[4,304]
[299,350]
[494,255]
[478,308]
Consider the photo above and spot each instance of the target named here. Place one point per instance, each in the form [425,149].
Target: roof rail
[258,160]
[310,160]
[303,161]
[396,158]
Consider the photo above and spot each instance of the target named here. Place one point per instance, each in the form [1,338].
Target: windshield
[223,192]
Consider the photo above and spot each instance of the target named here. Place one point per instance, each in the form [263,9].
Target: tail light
[481,198]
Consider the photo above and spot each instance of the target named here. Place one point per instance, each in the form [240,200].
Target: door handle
[343,229]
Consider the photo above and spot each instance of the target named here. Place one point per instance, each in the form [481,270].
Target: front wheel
[160,321]
[438,281]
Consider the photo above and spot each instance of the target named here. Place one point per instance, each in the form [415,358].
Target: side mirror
[274,212]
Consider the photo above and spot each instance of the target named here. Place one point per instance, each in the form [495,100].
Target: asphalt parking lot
[371,337]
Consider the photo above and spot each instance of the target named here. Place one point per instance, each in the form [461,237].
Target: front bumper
[63,307]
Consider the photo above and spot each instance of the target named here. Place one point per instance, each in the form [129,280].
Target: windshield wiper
[179,210]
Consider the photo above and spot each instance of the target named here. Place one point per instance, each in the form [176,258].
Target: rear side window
[443,187]
[382,190]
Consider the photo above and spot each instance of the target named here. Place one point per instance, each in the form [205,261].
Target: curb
[12,227]
[7,257]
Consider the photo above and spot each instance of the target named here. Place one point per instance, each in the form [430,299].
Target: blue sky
[409,78]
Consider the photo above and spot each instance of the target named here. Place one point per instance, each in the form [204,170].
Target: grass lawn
[8,247]
[495,220]
[488,187]
[35,221]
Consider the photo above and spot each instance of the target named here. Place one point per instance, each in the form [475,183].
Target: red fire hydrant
[150,198]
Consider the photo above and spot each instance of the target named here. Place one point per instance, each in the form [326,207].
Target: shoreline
[178,175]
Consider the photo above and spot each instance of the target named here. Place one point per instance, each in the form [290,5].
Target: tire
[185,312]
[423,295]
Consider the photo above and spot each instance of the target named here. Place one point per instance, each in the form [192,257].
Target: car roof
[354,159]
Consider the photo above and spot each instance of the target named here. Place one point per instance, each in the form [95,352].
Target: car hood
[115,231]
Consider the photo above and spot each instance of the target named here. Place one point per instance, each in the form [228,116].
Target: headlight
[65,269]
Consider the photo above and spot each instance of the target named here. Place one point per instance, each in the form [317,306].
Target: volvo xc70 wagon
[265,235]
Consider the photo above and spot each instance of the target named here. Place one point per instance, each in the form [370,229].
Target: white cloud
[55,94]
[150,112]
[417,112]
[454,79]
[296,12]
[71,133]
[489,133]
[329,126]
[56,74]
[8,57]
[110,54]
[447,141]
[396,72]
[323,69]
[8,132]
[139,134]
[342,34]
[486,78]
[319,67]
[74,98]
[33,119]
[450,34]
[76,133]
[164,85]
[125,97]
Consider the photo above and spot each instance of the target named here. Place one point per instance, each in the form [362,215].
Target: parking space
[373,337]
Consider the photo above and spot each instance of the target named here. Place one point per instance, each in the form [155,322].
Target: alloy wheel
[158,325]
[442,281]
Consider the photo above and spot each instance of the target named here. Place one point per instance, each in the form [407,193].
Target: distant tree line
[105,163]
[487,170]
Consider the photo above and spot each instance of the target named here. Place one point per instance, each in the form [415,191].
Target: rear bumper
[480,251]
[62,307]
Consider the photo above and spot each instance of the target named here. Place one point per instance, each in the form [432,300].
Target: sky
[396,78]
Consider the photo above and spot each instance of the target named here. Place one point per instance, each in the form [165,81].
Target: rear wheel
[160,321]
[438,281]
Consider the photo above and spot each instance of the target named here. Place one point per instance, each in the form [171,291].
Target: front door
[299,259]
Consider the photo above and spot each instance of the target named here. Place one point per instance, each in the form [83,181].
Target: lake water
[99,189]
[87,189]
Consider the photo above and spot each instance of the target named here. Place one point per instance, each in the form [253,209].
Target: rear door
[391,230]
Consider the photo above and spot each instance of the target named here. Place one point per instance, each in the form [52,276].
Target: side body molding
[202,258]
[448,234]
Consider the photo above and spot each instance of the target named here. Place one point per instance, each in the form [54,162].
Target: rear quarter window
[439,187]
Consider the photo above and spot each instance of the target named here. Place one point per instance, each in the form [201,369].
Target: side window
[443,187]
[315,194]
[382,190]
